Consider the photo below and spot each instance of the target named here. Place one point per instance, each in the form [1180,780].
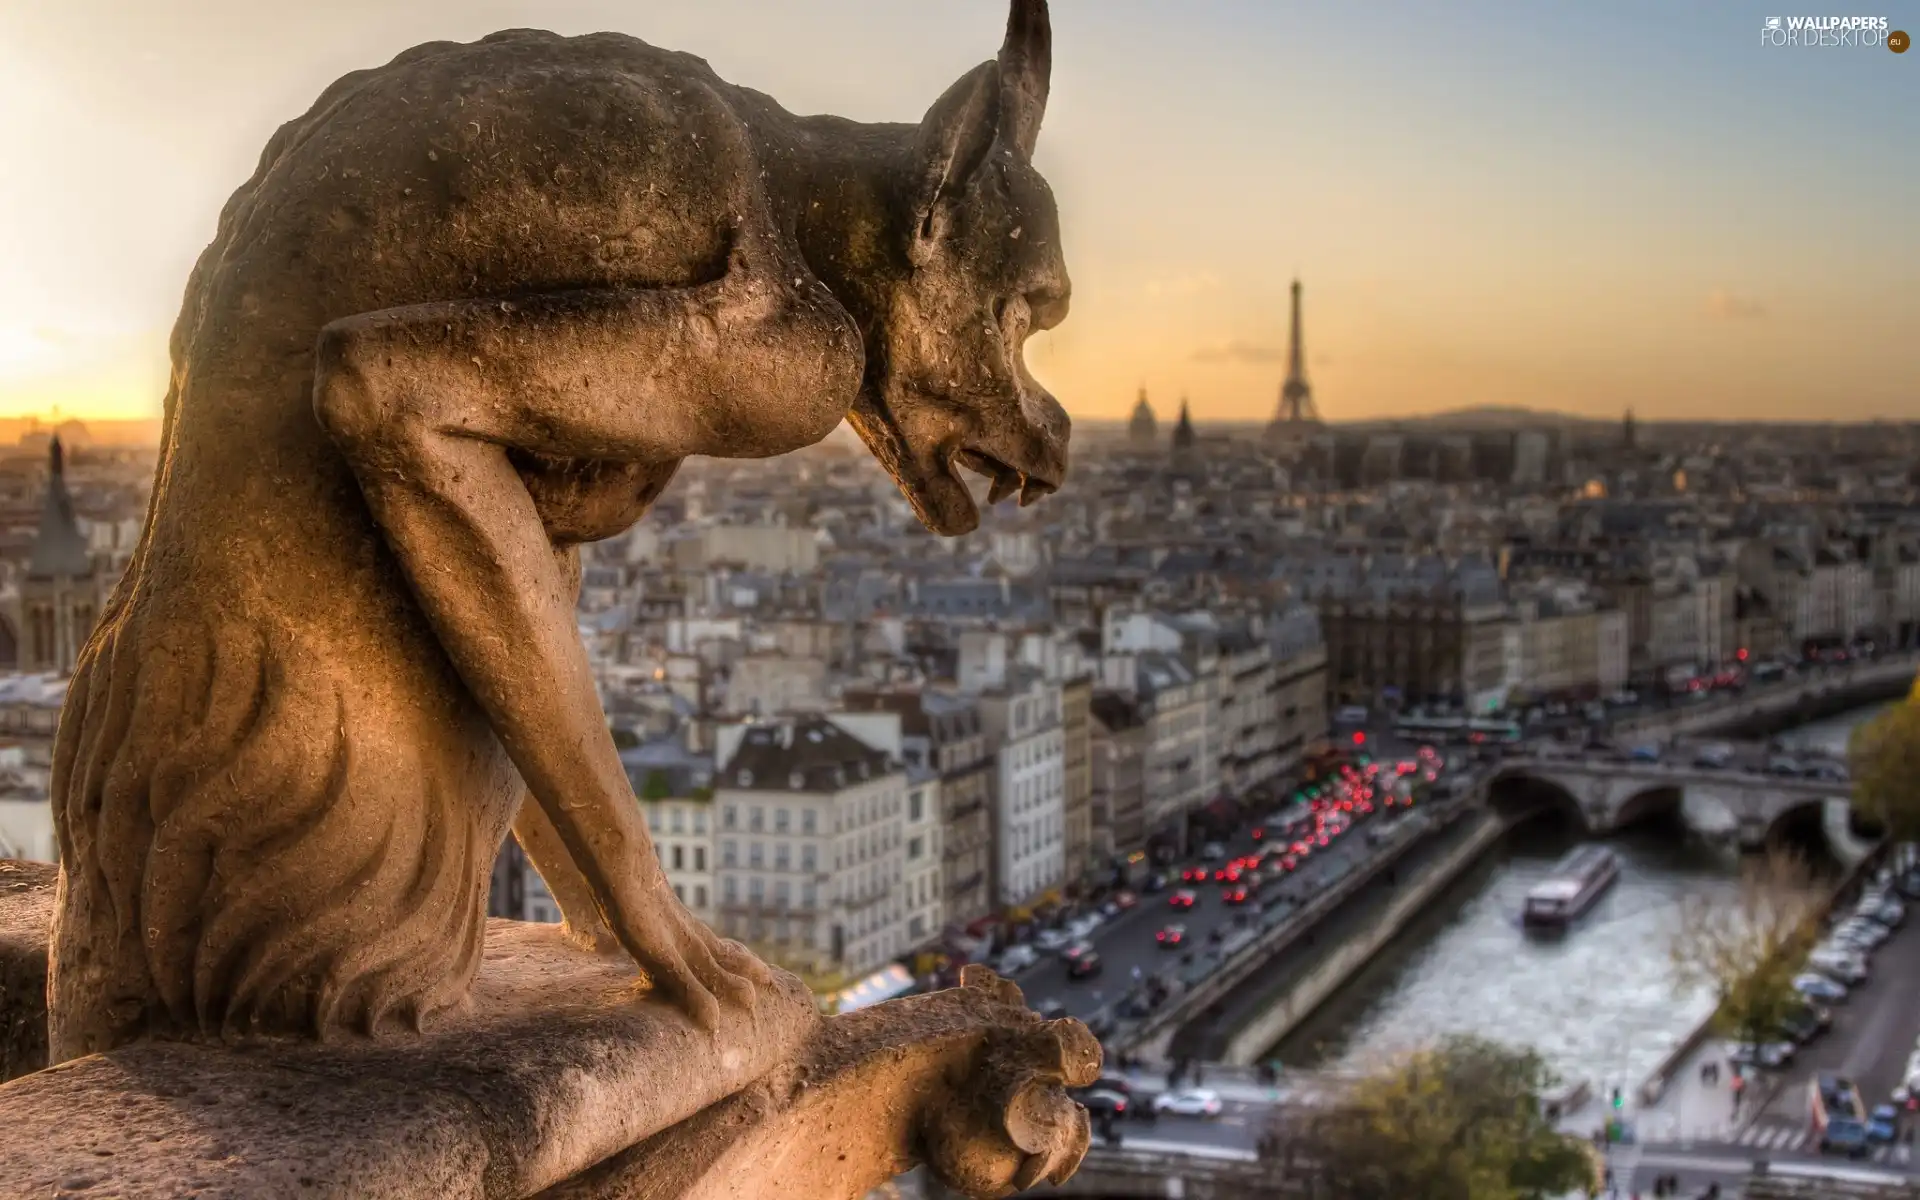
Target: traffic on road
[1146,945]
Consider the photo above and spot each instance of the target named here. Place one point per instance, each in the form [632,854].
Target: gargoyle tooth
[1005,483]
[1032,490]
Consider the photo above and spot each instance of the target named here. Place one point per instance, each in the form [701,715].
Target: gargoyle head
[946,384]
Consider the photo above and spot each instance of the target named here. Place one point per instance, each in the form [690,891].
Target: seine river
[1599,1004]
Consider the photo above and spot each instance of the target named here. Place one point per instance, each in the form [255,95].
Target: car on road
[1017,958]
[1102,1103]
[1195,875]
[1844,1135]
[1883,1125]
[1212,852]
[1234,895]
[1075,952]
[1189,1102]
[1846,968]
[1882,909]
[1772,1056]
[1085,967]
[1171,936]
[1183,898]
[1864,929]
[1819,988]
[1805,1023]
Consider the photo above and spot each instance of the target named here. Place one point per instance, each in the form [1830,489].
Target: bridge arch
[1663,802]
[1520,795]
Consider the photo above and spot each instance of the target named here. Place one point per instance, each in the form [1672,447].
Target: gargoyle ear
[1003,99]
[955,137]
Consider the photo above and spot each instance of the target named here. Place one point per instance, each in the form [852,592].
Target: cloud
[1729,306]
[1235,351]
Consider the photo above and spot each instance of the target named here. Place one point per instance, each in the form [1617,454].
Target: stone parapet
[562,1077]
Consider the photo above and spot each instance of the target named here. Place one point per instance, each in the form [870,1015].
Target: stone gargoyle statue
[470,313]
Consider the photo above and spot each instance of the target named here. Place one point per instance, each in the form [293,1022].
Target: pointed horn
[1026,67]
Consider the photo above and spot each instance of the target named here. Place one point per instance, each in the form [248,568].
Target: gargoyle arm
[425,402]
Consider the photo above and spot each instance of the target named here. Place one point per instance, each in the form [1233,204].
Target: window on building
[782,893]
[756,854]
[700,895]
[729,853]
[756,818]
[756,889]
[679,858]
[699,820]
[809,820]
[782,857]
[680,893]
[730,817]
[730,888]
[915,848]
[780,819]
[699,858]
[916,805]
[808,858]
[677,820]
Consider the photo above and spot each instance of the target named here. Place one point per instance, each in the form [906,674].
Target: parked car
[1845,969]
[1858,929]
[1819,988]
[1191,1102]
[1772,1056]
[1054,940]
[1884,1124]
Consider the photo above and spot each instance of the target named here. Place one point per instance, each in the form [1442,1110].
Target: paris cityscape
[1425,769]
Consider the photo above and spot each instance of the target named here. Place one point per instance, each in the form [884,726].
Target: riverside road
[1128,940]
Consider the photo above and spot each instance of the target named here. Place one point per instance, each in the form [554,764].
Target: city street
[1128,940]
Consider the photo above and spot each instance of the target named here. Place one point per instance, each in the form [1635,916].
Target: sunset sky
[1572,206]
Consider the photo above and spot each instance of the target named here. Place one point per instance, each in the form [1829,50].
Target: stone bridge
[1606,795]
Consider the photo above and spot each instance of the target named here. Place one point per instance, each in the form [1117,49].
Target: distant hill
[1487,417]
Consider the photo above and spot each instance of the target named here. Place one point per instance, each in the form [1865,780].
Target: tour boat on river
[1578,881]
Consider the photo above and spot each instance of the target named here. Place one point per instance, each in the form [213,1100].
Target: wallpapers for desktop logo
[1869,32]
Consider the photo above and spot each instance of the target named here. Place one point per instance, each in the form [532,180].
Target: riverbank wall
[1762,712]
[1287,1006]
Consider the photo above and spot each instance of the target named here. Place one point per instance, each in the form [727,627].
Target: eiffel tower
[1297,414]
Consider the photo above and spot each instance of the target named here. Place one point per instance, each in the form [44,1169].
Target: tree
[1747,953]
[1884,755]
[1461,1120]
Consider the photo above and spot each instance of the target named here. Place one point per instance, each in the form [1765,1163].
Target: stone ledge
[559,1080]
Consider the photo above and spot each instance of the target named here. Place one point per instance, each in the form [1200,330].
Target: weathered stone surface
[553,1066]
[472,311]
[967,1080]
[26,909]
[554,1083]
